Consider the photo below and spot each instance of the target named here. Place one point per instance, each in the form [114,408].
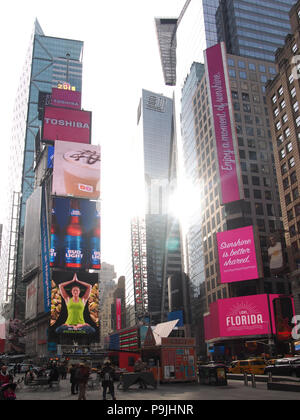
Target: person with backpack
[108,376]
[82,376]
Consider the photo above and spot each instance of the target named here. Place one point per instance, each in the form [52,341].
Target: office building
[49,62]
[253,29]
[283,94]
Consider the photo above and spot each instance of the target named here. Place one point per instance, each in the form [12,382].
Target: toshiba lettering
[64,123]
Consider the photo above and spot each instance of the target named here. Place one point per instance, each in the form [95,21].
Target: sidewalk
[236,390]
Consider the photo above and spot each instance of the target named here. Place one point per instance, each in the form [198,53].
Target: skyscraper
[253,29]
[49,62]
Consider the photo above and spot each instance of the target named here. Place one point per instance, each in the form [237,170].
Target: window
[284,118]
[257,194]
[230,62]
[274,99]
[252,66]
[243,75]
[252,155]
[285,183]
[280,91]
[291,78]
[241,64]
[282,104]
[293,177]
[289,147]
[254,168]
[255,180]
[293,92]
[287,132]
[279,140]
[294,48]
[270,210]
[276,112]
[263,78]
[232,73]
[262,68]
[245,97]
[234,94]
[288,199]
[284,169]
[297,121]
[290,215]
[292,162]
[278,125]
[295,193]
[282,154]
[296,106]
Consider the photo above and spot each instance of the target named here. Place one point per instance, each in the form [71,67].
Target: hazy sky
[120,58]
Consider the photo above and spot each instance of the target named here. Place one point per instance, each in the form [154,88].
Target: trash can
[213,374]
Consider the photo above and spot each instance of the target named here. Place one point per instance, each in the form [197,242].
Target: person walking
[73,380]
[82,376]
[108,375]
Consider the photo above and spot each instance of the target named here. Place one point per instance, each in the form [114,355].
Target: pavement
[171,393]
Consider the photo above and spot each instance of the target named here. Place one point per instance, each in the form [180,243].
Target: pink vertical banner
[118,314]
[218,87]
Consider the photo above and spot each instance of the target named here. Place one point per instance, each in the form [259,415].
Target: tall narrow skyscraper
[50,62]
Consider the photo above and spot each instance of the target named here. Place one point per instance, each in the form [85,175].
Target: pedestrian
[139,367]
[82,377]
[53,375]
[73,380]
[5,377]
[108,376]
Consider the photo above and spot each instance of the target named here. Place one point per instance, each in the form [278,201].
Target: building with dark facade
[253,29]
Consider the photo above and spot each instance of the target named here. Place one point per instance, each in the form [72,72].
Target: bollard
[253,380]
[245,379]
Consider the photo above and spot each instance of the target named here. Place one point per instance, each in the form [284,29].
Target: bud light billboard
[76,170]
[74,307]
[66,125]
[75,234]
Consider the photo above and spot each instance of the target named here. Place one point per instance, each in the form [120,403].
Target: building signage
[118,314]
[225,135]
[66,125]
[237,255]
[66,98]
[45,254]
[76,170]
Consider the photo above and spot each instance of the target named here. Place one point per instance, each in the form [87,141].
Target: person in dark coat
[53,375]
[73,380]
[107,375]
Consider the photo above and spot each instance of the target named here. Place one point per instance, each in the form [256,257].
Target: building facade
[283,102]
[49,62]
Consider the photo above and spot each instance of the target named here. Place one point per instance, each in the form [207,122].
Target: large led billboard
[247,316]
[238,255]
[223,123]
[74,307]
[66,124]
[76,170]
[75,234]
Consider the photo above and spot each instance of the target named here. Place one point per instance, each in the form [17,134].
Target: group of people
[79,376]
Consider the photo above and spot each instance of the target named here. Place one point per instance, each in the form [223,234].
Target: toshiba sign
[66,124]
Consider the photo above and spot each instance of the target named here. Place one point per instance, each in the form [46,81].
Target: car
[289,366]
[255,366]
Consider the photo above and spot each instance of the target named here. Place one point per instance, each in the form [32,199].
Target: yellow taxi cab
[255,366]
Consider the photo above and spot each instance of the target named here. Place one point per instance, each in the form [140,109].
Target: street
[235,390]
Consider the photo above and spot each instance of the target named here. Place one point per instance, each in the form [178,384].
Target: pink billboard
[237,255]
[66,125]
[118,314]
[66,98]
[240,316]
[225,135]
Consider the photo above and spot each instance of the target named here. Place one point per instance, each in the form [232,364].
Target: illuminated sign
[65,86]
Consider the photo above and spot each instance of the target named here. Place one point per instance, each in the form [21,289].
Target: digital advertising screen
[237,255]
[76,170]
[74,307]
[66,124]
[75,234]
[66,98]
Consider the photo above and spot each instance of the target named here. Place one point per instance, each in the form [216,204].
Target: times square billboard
[66,124]
[75,234]
[76,170]
[74,307]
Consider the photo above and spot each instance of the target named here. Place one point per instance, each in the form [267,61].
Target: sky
[121,57]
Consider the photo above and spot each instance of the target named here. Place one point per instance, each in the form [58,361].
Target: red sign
[66,125]
[66,98]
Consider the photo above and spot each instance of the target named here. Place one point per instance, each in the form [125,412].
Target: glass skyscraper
[49,62]
[253,28]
